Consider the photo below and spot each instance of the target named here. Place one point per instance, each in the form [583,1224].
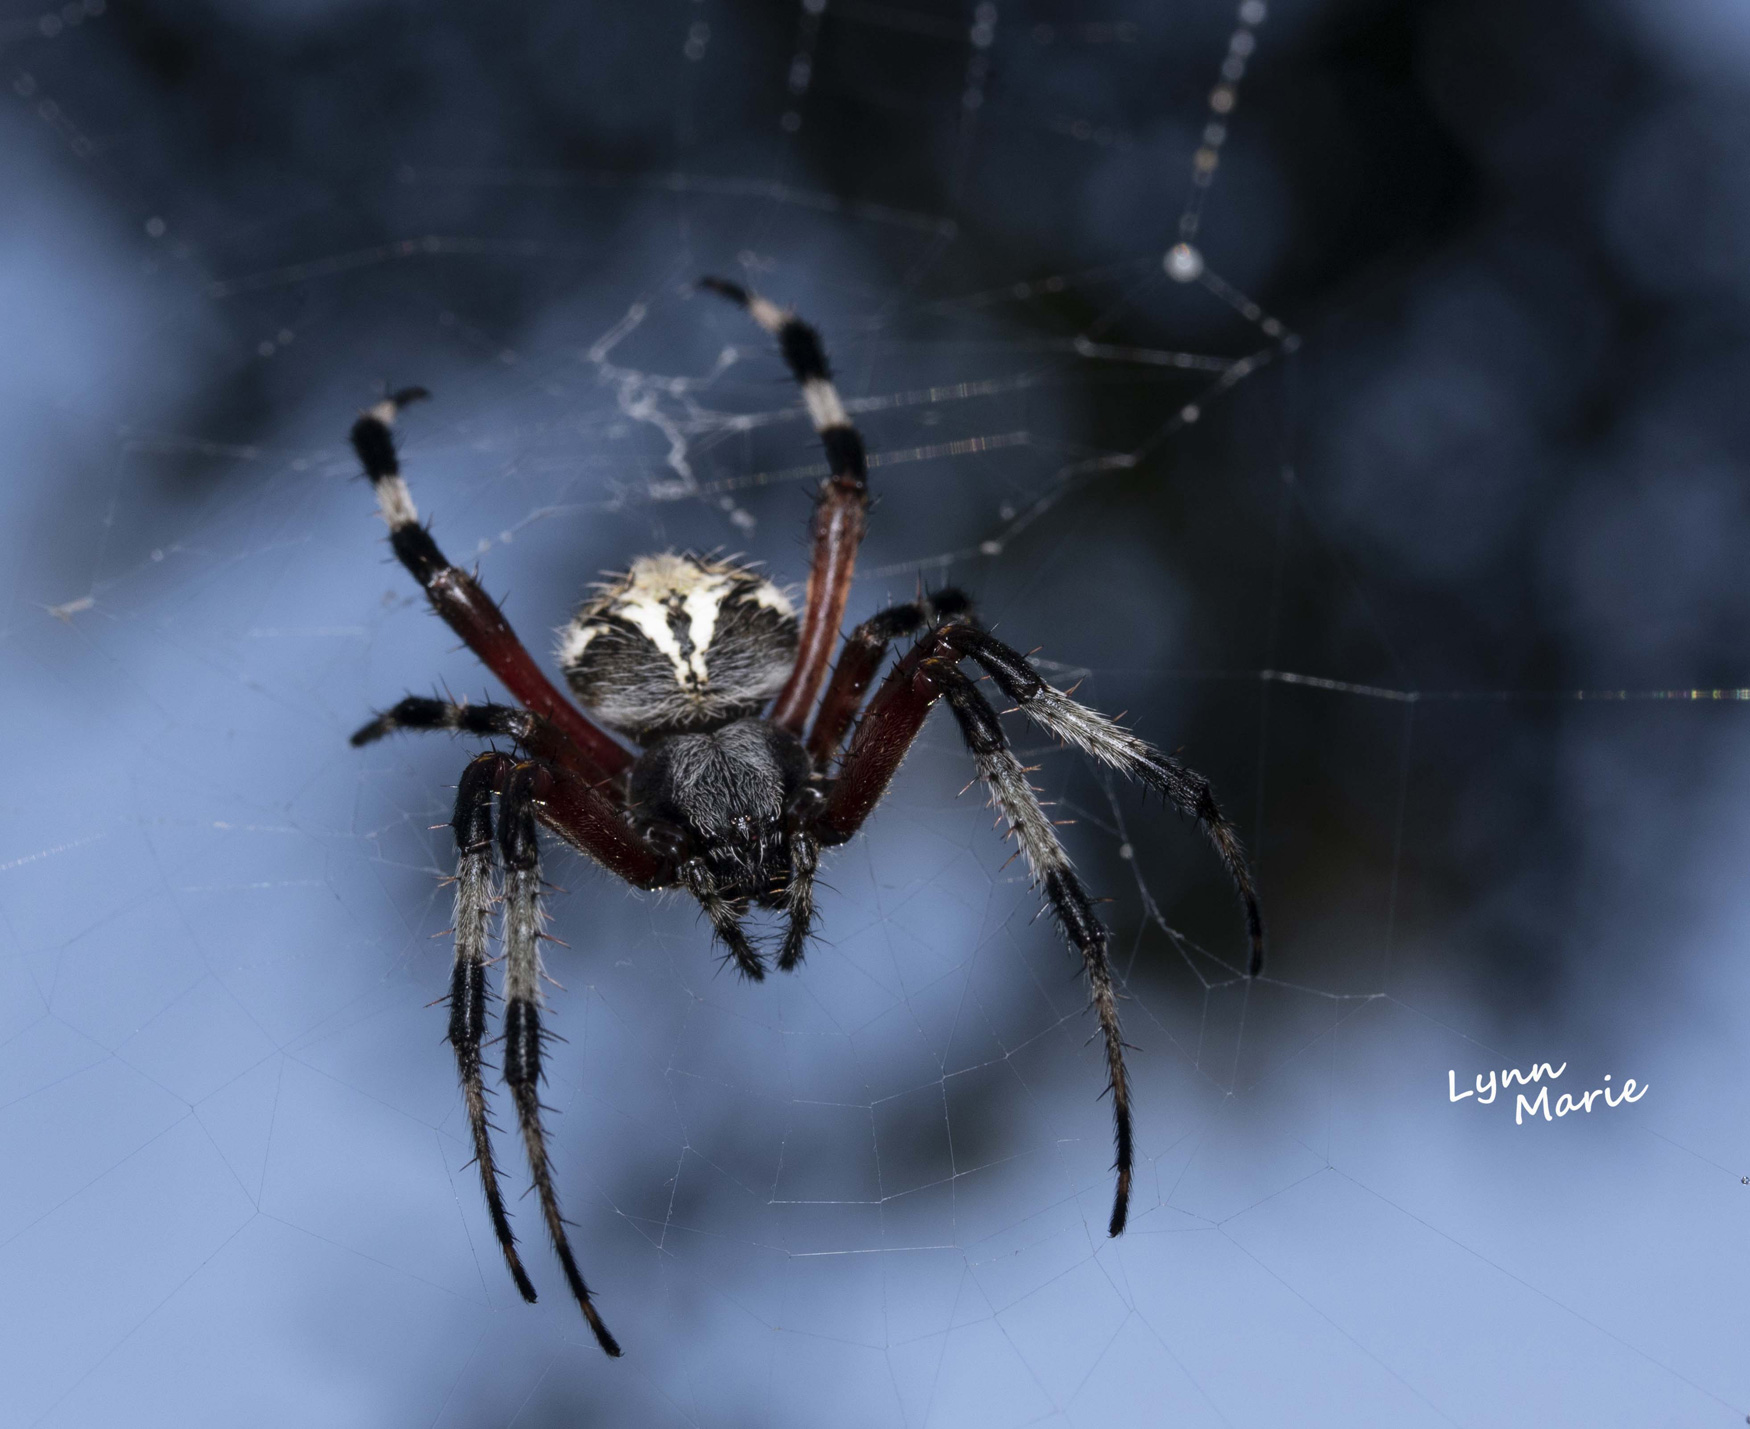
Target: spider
[725,798]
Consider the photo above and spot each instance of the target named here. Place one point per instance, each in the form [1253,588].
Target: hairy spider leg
[860,661]
[927,672]
[422,713]
[519,849]
[569,808]
[579,812]
[1010,791]
[472,824]
[799,895]
[840,512]
[1113,745]
[458,598]
[540,737]
[574,806]
[891,724]
[924,674]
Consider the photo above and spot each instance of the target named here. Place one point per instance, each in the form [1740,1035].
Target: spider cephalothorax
[732,792]
[729,796]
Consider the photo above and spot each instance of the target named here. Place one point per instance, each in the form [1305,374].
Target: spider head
[726,792]
[679,644]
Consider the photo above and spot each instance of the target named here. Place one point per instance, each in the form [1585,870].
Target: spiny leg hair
[1014,796]
[468,998]
[519,849]
[1113,745]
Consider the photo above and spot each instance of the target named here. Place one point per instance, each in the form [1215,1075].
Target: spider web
[873,1193]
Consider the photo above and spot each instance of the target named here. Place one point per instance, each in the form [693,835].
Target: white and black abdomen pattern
[679,644]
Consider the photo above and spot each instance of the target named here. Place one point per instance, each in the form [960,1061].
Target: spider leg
[840,513]
[883,737]
[418,712]
[1007,781]
[519,849]
[468,999]
[580,813]
[725,919]
[799,897]
[540,737]
[1110,743]
[928,672]
[860,661]
[457,596]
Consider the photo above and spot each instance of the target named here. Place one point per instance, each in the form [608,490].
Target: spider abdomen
[679,644]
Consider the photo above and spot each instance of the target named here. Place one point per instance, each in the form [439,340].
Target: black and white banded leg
[805,356]
[1113,745]
[840,511]
[1007,781]
[519,850]
[468,997]
[420,712]
[458,598]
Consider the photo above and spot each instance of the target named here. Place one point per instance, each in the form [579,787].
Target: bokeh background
[1409,506]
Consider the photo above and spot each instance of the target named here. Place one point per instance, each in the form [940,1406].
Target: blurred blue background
[1451,425]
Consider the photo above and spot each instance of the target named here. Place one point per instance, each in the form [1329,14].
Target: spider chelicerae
[680,656]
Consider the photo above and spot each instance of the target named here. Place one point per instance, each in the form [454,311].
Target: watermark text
[1541,1073]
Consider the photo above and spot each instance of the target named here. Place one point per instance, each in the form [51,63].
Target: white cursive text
[1486,1092]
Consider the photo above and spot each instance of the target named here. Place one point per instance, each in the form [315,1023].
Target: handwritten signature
[1565,1104]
